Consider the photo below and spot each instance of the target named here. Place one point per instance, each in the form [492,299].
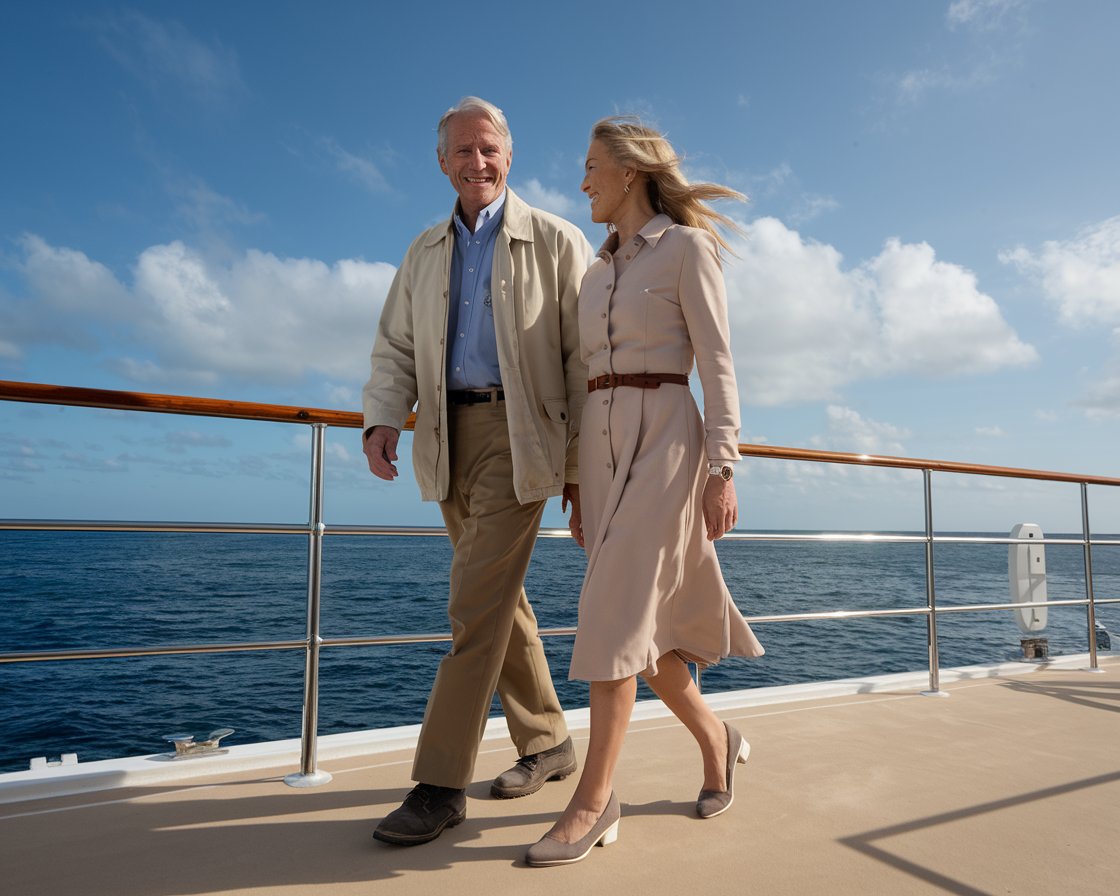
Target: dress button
[604,314]
[604,432]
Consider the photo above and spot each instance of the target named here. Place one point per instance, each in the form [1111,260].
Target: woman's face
[604,182]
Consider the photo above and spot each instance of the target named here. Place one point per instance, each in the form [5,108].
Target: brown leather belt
[637,380]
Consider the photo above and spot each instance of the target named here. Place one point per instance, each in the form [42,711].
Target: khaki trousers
[495,645]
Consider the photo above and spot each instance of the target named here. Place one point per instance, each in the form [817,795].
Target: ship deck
[1011,785]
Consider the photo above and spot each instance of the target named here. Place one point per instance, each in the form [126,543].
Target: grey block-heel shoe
[711,803]
[549,851]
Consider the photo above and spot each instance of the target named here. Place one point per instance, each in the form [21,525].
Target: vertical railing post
[309,775]
[931,595]
[1090,607]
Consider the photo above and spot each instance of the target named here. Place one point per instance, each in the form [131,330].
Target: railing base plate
[934,693]
[315,779]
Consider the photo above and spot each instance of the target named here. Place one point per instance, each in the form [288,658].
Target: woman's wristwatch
[723,471]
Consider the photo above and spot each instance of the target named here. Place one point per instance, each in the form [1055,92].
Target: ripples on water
[90,590]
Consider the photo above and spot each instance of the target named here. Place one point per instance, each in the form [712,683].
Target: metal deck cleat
[186,747]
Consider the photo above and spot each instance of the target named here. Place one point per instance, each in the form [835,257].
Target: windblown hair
[635,145]
[474,104]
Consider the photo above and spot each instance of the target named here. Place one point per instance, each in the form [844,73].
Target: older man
[479,332]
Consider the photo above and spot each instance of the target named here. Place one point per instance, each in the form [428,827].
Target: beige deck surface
[1011,785]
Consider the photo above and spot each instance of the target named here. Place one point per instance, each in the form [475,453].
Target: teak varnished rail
[74,396]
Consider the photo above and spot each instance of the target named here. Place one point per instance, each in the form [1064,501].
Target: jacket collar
[517,223]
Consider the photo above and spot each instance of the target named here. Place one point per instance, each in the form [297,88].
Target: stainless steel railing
[316,529]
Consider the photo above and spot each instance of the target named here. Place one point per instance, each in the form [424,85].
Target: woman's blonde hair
[635,145]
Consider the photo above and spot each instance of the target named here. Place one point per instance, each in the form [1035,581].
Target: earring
[626,188]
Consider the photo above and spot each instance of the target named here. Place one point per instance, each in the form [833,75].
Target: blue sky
[211,199]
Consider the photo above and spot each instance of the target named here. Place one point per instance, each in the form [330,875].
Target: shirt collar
[484,216]
[650,233]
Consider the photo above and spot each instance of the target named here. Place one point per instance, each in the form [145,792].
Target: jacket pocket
[557,410]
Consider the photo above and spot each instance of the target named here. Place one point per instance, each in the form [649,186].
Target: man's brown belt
[637,380]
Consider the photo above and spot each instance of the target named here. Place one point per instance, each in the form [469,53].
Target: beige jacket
[539,261]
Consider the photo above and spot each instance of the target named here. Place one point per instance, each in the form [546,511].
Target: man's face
[477,160]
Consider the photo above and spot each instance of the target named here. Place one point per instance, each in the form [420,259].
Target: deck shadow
[866,843]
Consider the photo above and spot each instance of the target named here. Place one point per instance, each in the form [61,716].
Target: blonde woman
[656,479]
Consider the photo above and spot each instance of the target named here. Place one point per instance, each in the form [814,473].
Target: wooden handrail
[76,396]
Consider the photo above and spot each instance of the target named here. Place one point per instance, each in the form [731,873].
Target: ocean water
[96,590]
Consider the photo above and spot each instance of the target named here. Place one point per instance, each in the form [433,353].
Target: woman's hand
[721,507]
[575,521]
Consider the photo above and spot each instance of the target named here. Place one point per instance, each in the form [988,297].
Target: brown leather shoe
[426,811]
[531,772]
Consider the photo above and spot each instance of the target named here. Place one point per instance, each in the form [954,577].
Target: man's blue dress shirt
[472,347]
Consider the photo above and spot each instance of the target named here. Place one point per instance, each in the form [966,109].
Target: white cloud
[1102,398]
[180,441]
[256,317]
[71,300]
[207,210]
[913,85]
[849,431]
[1081,278]
[810,206]
[160,53]
[1080,275]
[540,196]
[262,317]
[990,58]
[779,188]
[69,281]
[341,396]
[981,14]
[803,326]
[992,432]
[359,169]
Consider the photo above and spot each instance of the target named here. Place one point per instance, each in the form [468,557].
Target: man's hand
[380,448]
[575,521]
[721,508]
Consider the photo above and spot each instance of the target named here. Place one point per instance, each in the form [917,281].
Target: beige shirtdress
[653,582]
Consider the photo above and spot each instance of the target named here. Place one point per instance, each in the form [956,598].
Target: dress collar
[650,233]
